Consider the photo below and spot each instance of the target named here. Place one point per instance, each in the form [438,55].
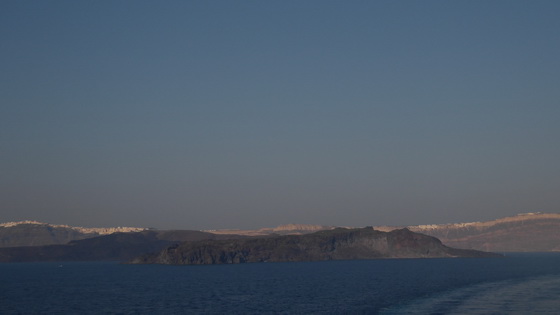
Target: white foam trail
[539,295]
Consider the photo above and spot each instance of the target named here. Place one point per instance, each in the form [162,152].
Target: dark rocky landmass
[35,241]
[121,246]
[337,244]
[39,234]
[286,229]
[530,232]
[33,233]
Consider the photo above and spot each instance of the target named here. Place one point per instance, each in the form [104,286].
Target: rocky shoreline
[337,244]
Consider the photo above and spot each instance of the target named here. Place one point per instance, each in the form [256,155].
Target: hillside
[33,233]
[119,246]
[337,244]
[530,232]
[287,229]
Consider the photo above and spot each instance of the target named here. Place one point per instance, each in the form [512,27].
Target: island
[336,244]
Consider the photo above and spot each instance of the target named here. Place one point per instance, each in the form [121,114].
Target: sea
[516,284]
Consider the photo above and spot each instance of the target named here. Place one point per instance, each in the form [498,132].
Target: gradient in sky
[246,114]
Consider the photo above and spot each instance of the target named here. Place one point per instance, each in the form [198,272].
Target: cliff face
[530,232]
[114,247]
[337,244]
[33,233]
[286,229]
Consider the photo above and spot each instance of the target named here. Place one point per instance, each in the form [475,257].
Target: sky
[250,114]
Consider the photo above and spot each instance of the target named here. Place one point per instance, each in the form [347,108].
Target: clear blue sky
[247,114]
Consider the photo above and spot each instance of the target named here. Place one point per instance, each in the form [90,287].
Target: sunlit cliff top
[100,231]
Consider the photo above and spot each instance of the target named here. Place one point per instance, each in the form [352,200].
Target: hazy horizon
[279,225]
[250,114]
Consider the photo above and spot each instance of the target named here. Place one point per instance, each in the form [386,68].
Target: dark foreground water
[523,283]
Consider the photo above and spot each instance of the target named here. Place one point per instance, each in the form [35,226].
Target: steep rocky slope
[33,233]
[112,247]
[530,232]
[286,229]
[337,244]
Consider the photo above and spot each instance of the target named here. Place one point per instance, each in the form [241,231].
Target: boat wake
[537,295]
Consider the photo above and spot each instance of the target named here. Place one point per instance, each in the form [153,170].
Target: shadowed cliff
[112,247]
[337,244]
[529,232]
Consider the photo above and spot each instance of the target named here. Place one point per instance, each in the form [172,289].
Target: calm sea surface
[517,284]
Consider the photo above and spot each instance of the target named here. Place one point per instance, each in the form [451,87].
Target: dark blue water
[519,283]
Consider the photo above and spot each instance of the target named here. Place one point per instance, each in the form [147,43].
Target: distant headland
[336,244]
[37,241]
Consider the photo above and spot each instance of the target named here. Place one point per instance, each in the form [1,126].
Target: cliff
[286,229]
[121,246]
[33,233]
[337,244]
[529,232]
